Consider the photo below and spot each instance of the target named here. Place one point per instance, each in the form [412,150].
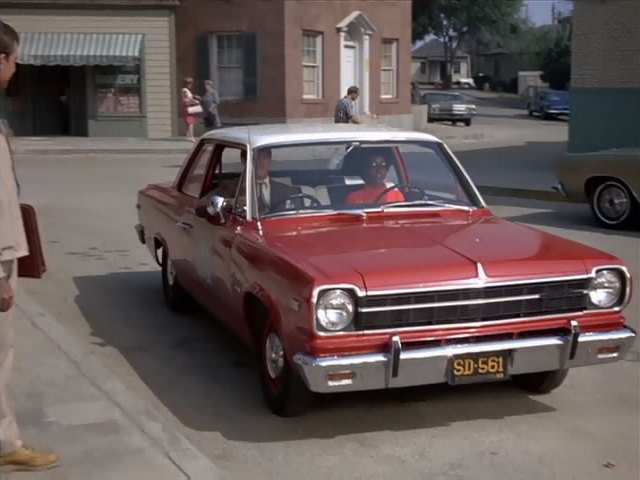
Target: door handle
[184,225]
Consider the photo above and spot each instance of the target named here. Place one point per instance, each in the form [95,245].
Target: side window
[192,184]
[228,180]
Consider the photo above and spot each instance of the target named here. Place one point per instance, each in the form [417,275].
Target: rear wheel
[176,298]
[540,382]
[613,205]
[467,122]
[284,390]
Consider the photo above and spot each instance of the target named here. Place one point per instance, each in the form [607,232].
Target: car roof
[280,133]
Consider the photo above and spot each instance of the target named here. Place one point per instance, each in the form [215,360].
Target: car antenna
[250,171]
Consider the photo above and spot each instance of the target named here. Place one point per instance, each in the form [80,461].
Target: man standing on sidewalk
[14,455]
[345,111]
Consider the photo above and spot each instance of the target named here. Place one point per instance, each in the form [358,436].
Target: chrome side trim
[419,306]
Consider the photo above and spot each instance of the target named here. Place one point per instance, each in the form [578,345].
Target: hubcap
[613,203]
[274,354]
[171,273]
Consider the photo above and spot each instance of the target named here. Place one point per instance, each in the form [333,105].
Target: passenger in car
[374,179]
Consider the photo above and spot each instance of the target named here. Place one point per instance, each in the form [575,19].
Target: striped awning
[79,49]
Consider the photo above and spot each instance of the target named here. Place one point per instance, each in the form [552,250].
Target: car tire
[176,298]
[529,110]
[467,122]
[284,391]
[605,199]
[540,382]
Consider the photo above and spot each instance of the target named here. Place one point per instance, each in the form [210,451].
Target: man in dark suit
[271,193]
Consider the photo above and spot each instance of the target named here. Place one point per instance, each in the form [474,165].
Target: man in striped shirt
[346,107]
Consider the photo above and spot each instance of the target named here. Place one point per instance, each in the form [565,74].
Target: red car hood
[392,255]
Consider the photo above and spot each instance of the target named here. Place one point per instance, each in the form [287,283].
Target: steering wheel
[404,188]
[315,203]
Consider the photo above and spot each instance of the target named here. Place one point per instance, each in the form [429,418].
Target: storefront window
[118,90]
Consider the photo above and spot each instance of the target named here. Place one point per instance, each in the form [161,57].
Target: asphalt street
[505,147]
[103,286]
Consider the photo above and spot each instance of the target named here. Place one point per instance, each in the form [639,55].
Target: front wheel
[284,390]
[467,122]
[613,204]
[540,382]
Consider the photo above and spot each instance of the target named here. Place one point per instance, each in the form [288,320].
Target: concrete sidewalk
[68,401]
[87,145]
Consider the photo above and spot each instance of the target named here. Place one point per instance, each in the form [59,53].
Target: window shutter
[203,59]
[250,66]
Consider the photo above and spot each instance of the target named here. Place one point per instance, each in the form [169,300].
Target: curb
[105,151]
[187,458]
[530,194]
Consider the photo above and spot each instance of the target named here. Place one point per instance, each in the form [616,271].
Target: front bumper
[450,115]
[399,367]
[557,111]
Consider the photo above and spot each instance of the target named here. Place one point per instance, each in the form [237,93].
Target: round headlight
[334,310]
[606,288]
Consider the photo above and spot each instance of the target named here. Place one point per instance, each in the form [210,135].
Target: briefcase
[33,265]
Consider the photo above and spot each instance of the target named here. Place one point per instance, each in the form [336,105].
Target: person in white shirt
[14,454]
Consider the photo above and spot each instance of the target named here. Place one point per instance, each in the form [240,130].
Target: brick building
[605,75]
[290,60]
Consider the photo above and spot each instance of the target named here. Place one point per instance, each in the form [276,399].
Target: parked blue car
[549,103]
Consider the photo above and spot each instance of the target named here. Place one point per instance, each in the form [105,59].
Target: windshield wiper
[307,211]
[425,203]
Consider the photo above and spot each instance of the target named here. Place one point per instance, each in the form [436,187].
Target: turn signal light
[605,352]
[343,377]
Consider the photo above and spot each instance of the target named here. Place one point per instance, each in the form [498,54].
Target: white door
[348,70]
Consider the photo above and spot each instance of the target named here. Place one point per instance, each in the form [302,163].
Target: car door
[210,261]
[189,191]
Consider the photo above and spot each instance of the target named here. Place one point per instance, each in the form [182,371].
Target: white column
[366,93]
[341,71]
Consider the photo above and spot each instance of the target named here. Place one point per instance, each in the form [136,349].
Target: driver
[270,192]
[374,185]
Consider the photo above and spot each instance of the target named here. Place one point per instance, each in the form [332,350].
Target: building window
[389,69]
[456,67]
[118,90]
[233,65]
[423,68]
[312,65]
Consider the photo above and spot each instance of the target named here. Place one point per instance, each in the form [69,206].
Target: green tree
[454,21]
[556,65]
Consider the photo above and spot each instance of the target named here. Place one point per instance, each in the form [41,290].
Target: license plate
[478,367]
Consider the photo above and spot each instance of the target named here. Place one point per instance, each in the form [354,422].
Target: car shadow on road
[209,382]
[568,215]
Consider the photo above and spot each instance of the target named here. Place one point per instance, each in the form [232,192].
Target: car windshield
[443,97]
[354,178]
[558,96]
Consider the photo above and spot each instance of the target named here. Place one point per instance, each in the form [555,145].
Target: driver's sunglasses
[379,164]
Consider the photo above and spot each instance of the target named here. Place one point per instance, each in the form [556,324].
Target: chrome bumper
[399,367]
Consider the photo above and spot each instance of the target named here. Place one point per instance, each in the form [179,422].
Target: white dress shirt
[264,189]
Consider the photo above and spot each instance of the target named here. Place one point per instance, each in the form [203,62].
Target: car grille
[472,305]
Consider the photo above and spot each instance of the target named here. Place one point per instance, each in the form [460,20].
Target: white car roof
[260,135]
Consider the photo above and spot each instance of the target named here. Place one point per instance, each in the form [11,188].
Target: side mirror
[214,207]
